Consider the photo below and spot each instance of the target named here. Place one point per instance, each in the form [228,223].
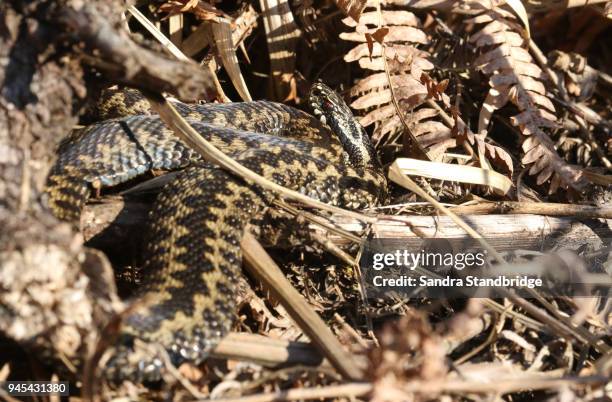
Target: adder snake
[192,253]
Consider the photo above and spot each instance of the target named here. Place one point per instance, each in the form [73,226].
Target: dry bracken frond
[514,77]
[397,33]
[400,32]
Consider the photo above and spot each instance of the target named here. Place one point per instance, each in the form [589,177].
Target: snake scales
[192,254]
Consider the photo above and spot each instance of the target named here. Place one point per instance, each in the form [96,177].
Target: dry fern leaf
[406,63]
[514,77]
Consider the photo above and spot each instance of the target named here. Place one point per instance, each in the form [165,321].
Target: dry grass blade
[514,77]
[265,269]
[222,33]
[519,9]
[281,35]
[457,173]
[167,43]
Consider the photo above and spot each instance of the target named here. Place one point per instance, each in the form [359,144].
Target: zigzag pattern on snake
[192,256]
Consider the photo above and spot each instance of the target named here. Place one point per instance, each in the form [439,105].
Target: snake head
[333,111]
[329,107]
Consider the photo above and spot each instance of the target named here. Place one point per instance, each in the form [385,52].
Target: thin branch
[536,208]
[353,390]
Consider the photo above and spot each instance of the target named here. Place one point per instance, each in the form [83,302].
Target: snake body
[192,255]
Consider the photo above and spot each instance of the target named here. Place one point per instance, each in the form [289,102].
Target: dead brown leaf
[352,8]
[515,77]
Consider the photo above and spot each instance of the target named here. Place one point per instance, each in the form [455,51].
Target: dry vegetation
[506,105]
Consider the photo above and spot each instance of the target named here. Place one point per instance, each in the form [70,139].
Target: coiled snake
[192,254]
